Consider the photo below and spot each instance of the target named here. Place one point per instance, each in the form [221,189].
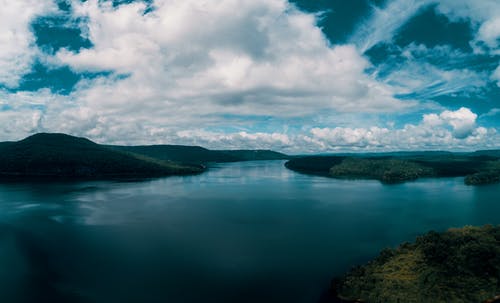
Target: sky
[297,76]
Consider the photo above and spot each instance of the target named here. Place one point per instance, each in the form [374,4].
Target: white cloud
[485,16]
[496,75]
[255,57]
[384,22]
[427,80]
[242,140]
[491,113]
[22,113]
[463,121]
[17,49]
[449,130]
[489,33]
[182,68]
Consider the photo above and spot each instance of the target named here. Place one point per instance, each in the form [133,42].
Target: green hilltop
[62,156]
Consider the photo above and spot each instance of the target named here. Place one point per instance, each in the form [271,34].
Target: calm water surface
[242,232]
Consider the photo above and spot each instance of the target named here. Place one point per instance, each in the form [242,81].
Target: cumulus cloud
[242,140]
[178,70]
[17,49]
[240,57]
[463,121]
[447,130]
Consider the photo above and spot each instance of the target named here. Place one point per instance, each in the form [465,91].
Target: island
[458,265]
[391,168]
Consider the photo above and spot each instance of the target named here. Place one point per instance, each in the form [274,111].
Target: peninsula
[477,168]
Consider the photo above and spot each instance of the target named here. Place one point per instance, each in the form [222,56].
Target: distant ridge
[178,153]
[255,155]
[46,155]
[200,155]
[57,155]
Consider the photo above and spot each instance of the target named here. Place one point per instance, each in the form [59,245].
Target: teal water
[242,232]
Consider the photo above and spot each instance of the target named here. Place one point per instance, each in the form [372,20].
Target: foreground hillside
[63,156]
[459,265]
[477,168]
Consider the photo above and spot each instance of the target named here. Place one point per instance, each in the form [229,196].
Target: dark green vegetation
[385,170]
[459,265]
[478,168]
[63,156]
[254,155]
[199,155]
[490,174]
[178,153]
[319,165]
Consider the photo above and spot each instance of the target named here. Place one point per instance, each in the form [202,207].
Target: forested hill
[62,156]
[178,153]
[47,155]
[200,155]
[478,167]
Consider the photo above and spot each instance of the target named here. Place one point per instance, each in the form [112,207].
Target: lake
[241,232]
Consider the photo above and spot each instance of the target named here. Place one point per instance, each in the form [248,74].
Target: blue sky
[295,76]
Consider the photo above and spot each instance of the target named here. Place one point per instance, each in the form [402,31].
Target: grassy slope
[59,155]
[459,265]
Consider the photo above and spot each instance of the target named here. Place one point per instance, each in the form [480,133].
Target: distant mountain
[491,153]
[178,153]
[62,156]
[199,155]
[254,155]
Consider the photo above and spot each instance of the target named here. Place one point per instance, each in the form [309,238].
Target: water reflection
[245,232]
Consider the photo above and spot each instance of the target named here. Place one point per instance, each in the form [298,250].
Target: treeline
[385,170]
[49,156]
[478,169]
[459,265]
